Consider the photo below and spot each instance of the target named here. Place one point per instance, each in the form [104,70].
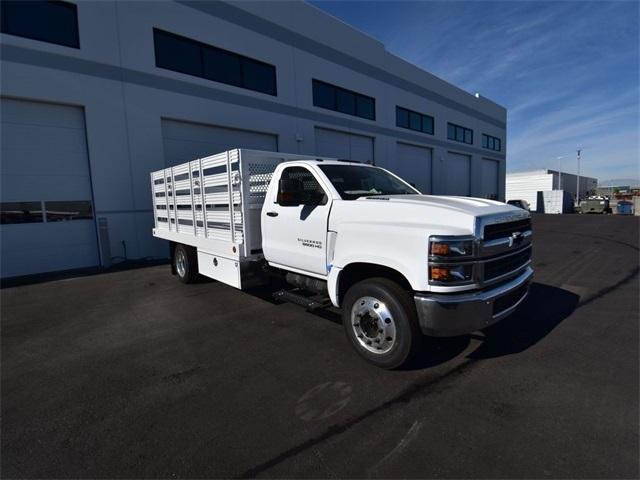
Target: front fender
[403,248]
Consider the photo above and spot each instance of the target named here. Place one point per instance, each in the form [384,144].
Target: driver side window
[298,186]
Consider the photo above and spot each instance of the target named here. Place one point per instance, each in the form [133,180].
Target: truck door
[294,223]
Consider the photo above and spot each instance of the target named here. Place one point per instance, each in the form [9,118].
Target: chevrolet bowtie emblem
[516,237]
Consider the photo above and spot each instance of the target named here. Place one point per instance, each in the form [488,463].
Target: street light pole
[559,171]
[578,179]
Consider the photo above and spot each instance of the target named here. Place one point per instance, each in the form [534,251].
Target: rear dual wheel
[380,321]
[185,263]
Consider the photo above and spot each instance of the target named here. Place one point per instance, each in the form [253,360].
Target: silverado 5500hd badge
[310,243]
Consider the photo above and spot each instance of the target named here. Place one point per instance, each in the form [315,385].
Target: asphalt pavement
[132,374]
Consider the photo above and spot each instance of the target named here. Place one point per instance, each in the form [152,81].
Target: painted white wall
[525,185]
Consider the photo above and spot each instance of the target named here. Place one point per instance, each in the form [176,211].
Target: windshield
[352,181]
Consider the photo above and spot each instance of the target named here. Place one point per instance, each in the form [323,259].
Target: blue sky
[567,71]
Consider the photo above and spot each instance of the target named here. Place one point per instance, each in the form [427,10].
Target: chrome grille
[507,264]
[502,230]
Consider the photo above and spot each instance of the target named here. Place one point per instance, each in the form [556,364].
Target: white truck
[397,263]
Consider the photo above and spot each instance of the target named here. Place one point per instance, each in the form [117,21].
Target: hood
[444,214]
[478,207]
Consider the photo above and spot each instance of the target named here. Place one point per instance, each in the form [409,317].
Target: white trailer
[355,236]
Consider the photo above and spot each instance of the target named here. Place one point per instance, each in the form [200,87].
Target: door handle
[272,214]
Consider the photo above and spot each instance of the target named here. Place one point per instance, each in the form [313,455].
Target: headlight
[451,273]
[451,248]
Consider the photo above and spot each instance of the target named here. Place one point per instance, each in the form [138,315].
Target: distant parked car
[523,204]
[594,205]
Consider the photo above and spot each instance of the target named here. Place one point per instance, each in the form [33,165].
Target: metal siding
[414,164]
[489,178]
[458,174]
[185,141]
[525,186]
[345,145]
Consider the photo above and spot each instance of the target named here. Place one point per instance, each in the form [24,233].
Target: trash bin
[625,208]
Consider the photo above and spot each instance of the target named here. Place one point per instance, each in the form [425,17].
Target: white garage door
[184,141]
[489,179]
[345,145]
[413,164]
[47,217]
[458,174]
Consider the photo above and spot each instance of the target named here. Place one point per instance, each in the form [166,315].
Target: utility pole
[578,179]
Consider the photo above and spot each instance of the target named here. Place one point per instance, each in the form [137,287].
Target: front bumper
[448,315]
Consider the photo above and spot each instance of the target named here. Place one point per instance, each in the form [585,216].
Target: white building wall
[526,185]
[124,96]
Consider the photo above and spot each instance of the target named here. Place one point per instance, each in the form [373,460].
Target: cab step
[310,301]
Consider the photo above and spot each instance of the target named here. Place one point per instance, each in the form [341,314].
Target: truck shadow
[543,310]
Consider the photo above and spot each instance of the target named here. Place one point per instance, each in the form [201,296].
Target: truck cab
[398,264]
[347,223]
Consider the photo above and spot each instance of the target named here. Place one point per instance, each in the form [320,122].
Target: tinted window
[259,76]
[459,134]
[451,132]
[324,95]
[427,124]
[414,121]
[20,212]
[184,55]
[305,182]
[345,102]
[342,100]
[221,66]
[177,53]
[53,22]
[491,143]
[352,181]
[366,107]
[402,117]
[72,210]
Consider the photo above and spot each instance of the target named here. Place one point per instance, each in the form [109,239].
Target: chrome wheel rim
[181,263]
[373,325]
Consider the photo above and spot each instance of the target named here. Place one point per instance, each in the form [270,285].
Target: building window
[414,121]
[20,212]
[184,55]
[459,134]
[342,100]
[51,21]
[492,143]
[69,210]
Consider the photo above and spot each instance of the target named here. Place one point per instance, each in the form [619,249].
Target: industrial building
[95,95]
[526,185]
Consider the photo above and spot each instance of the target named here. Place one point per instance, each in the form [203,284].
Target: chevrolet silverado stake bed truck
[399,264]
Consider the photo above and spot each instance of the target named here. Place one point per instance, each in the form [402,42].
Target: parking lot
[132,374]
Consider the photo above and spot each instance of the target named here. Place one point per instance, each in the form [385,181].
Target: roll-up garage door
[458,174]
[413,164]
[47,215]
[184,141]
[345,145]
[489,179]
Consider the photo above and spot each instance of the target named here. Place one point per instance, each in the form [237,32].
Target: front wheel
[380,321]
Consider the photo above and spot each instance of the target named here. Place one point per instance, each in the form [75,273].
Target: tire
[185,263]
[389,309]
